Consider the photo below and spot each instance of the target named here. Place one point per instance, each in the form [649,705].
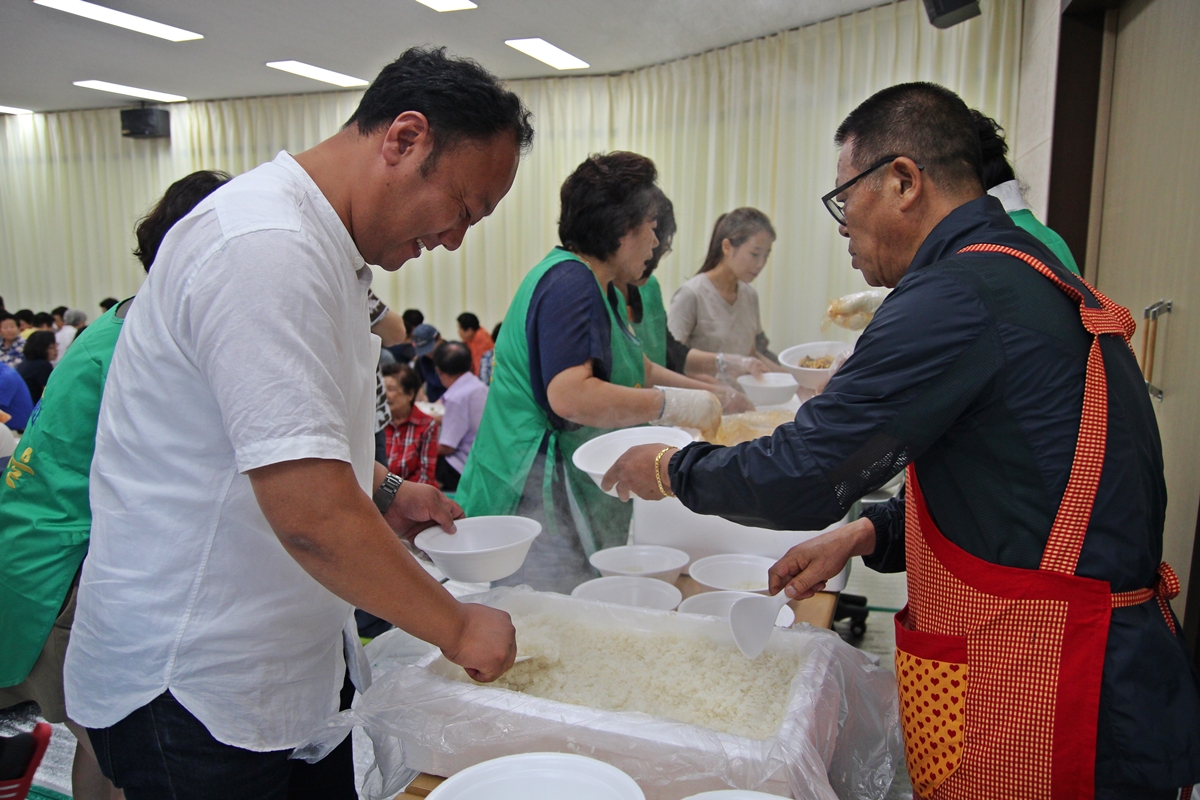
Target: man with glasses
[1038,633]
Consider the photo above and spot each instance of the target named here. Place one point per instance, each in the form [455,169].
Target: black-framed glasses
[836,209]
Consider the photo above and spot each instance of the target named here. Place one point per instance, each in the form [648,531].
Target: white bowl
[539,776]
[596,457]
[717,604]
[641,561]
[772,389]
[483,548]
[732,572]
[809,378]
[626,591]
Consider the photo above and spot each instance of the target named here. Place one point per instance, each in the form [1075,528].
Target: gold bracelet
[658,472]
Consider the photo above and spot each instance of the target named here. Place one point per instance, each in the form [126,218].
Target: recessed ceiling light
[11,110]
[547,53]
[318,74]
[120,19]
[448,5]
[131,91]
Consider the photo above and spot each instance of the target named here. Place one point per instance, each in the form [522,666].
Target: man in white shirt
[233,524]
[464,399]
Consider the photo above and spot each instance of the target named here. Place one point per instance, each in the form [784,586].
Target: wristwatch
[386,492]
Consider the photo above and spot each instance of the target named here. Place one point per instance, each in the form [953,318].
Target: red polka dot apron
[999,668]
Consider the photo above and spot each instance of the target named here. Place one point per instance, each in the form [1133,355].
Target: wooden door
[1149,238]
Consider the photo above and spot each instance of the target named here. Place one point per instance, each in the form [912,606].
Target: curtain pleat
[750,124]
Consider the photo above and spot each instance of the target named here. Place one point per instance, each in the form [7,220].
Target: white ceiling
[42,51]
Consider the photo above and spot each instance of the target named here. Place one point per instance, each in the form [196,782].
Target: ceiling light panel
[120,19]
[547,53]
[318,74]
[131,91]
[448,5]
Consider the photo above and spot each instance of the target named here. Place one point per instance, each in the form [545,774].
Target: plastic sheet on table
[839,738]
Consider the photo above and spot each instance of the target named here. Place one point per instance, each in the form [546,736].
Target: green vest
[45,518]
[514,426]
[1024,218]
[652,330]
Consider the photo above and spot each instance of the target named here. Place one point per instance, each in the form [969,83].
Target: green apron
[514,426]
[652,330]
[45,519]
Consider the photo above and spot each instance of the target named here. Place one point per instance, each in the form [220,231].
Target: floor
[883,592]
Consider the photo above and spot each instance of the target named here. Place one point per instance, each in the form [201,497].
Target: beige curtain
[749,124]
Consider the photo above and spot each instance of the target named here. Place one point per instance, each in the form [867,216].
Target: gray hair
[74,317]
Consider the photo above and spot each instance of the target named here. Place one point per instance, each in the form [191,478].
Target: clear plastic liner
[854,311]
[840,735]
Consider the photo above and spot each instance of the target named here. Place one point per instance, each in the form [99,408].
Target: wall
[750,124]
[1030,153]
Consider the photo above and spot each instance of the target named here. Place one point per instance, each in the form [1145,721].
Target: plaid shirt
[14,354]
[412,447]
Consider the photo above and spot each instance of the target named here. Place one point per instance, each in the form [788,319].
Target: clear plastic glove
[730,366]
[690,408]
[732,401]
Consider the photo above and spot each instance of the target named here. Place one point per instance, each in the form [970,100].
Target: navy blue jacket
[974,367]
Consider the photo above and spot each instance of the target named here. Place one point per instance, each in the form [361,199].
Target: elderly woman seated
[410,436]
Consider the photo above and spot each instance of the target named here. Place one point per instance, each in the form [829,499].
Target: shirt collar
[968,224]
[1009,194]
[323,209]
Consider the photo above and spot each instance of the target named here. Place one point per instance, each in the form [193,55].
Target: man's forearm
[333,530]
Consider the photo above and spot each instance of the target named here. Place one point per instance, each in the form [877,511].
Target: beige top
[701,318]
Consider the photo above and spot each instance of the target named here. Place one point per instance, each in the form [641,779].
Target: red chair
[19,759]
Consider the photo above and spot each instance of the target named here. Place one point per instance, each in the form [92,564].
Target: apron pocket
[931,670]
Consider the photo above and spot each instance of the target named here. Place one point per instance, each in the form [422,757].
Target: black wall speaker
[944,13]
[146,123]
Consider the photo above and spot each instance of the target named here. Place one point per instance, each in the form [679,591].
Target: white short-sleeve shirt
[248,345]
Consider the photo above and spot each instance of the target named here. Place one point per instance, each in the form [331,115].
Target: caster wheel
[858,628]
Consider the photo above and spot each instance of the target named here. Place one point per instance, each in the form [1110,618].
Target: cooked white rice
[690,679]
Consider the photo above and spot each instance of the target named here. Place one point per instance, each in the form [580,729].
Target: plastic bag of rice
[663,696]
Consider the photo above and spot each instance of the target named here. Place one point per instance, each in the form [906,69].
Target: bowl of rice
[482,549]
[732,572]
[641,561]
[626,591]
[812,363]
[596,456]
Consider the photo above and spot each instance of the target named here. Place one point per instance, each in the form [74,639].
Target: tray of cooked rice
[663,696]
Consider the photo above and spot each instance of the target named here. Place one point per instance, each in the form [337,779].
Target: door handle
[1149,341]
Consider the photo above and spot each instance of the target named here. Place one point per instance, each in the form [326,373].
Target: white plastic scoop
[752,619]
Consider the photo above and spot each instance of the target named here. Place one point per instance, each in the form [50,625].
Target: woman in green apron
[568,366]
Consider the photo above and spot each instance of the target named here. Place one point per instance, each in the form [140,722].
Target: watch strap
[386,492]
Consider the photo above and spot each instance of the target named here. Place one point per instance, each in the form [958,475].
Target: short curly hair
[606,197]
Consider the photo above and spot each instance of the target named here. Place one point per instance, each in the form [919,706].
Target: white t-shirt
[248,345]
[63,338]
[701,318]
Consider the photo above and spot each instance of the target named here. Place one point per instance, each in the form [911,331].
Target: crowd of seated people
[424,368]
[31,344]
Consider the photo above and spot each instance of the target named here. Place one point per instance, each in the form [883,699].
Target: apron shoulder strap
[1075,511]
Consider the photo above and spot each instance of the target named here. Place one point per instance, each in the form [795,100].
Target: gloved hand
[732,401]
[690,408]
[730,366]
